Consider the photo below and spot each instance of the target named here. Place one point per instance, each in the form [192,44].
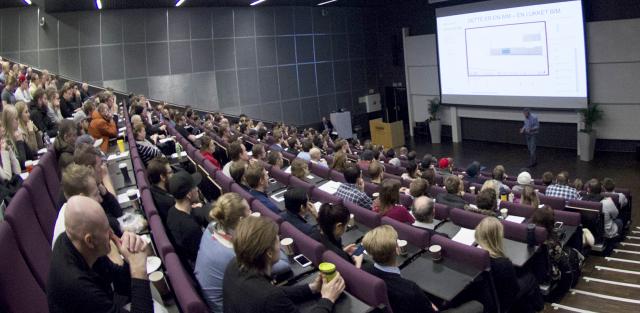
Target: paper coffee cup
[402,244]
[472,189]
[436,252]
[504,213]
[256,214]
[352,220]
[287,246]
[132,194]
[157,279]
[122,165]
[376,194]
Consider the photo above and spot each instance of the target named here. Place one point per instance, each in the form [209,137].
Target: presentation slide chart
[508,50]
[491,53]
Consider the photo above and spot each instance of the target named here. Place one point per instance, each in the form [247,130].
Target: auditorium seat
[19,289]
[184,287]
[224,181]
[406,200]
[34,244]
[462,254]
[555,202]
[362,285]
[337,176]
[299,183]
[160,238]
[442,211]
[413,235]
[318,195]
[242,192]
[365,216]
[147,203]
[280,175]
[302,243]
[320,171]
[49,166]
[44,208]
[257,206]
[517,209]
[518,232]
[465,219]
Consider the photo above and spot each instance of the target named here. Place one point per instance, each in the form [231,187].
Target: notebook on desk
[465,236]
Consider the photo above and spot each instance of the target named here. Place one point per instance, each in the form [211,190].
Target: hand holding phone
[359,250]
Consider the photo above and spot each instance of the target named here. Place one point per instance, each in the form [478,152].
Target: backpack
[565,268]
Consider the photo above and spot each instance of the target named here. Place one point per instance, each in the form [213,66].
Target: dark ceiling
[78,5]
[11,3]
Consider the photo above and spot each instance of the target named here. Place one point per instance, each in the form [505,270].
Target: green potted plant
[435,125]
[587,135]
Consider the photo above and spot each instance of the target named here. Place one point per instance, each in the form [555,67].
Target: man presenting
[530,130]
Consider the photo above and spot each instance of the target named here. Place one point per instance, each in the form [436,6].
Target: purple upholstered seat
[442,211]
[469,198]
[51,176]
[242,192]
[517,209]
[44,208]
[141,180]
[394,170]
[257,206]
[415,236]
[198,158]
[223,181]
[320,171]
[371,188]
[288,156]
[147,203]
[160,238]
[299,183]
[366,217]
[19,289]
[518,232]
[183,286]
[34,244]
[280,175]
[362,285]
[462,254]
[391,176]
[337,176]
[465,219]
[568,218]
[302,243]
[209,167]
[406,200]
[435,190]
[556,203]
[324,197]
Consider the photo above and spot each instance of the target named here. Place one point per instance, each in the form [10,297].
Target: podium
[390,135]
[342,124]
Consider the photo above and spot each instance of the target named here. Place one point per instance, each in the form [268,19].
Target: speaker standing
[530,131]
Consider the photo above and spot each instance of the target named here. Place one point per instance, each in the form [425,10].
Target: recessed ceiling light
[257,2]
[99,4]
[327,2]
[28,2]
[179,3]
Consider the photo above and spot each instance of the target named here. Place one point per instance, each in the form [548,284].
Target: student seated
[515,294]
[300,169]
[485,203]
[340,161]
[524,179]
[298,207]
[237,174]
[530,197]
[388,202]
[332,221]
[237,152]
[412,172]
[404,295]
[473,173]
[452,198]
[183,228]
[316,157]
[610,186]
[353,189]
[208,148]
[419,187]
[424,212]
[547,179]
[257,248]
[216,247]
[158,173]
[257,178]
[147,149]
[258,153]
[103,126]
[613,226]
[82,278]
[275,159]
[376,172]
[561,189]
[306,147]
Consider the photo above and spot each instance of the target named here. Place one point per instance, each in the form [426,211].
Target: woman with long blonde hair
[530,197]
[14,136]
[32,135]
[515,294]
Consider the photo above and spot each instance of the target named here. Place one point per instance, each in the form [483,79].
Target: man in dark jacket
[38,112]
[82,278]
[452,198]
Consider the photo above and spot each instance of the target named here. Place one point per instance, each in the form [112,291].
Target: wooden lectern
[390,135]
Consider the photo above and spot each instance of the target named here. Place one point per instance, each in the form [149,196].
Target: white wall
[614,81]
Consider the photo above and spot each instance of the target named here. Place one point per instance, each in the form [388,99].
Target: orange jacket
[101,128]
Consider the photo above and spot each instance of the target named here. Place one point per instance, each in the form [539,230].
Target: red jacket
[208,156]
[101,128]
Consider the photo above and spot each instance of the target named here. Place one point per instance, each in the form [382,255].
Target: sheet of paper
[287,170]
[24,175]
[330,187]
[182,154]
[317,206]
[310,177]
[515,219]
[123,198]
[278,196]
[121,129]
[165,140]
[116,156]
[42,151]
[465,236]
[200,135]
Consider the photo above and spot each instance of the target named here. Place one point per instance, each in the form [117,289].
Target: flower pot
[586,145]
[435,129]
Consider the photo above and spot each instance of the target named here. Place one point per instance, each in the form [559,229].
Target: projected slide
[495,55]
[507,50]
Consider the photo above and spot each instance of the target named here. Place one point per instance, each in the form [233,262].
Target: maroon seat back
[280,175]
[257,206]
[320,170]
[465,219]
[160,238]
[568,218]
[518,232]
[367,217]
[44,208]
[462,254]
[517,209]
[183,286]
[318,195]
[337,176]
[442,211]
[554,202]
[415,236]
[302,243]
[19,289]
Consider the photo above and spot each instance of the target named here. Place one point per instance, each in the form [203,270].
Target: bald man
[81,276]
[424,211]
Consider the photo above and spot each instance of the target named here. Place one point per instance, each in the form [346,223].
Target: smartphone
[359,250]
[302,260]
[558,225]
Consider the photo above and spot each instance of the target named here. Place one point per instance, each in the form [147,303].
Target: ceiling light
[179,3]
[257,2]
[28,2]
[99,4]
[327,2]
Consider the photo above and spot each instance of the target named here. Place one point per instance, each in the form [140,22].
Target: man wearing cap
[184,230]
[530,130]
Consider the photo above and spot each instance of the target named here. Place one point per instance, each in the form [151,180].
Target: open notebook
[465,236]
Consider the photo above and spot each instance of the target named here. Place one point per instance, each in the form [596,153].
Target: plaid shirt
[349,192]
[562,191]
